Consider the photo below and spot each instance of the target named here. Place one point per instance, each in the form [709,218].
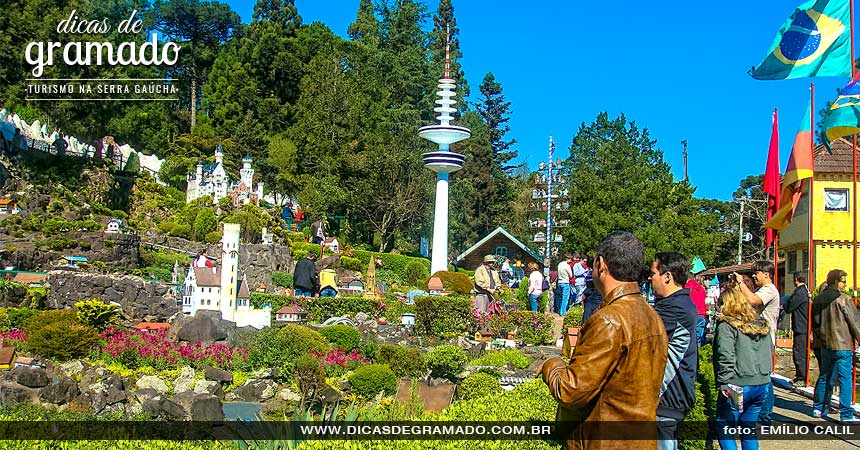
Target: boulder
[205,326]
[330,395]
[152,382]
[208,387]
[160,407]
[221,376]
[33,377]
[185,381]
[263,373]
[287,395]
[361,317]
[81,404]
[144,394]
[254,391]
[207,408]
[73,368]
[98,401]
[15,393]
[62,390]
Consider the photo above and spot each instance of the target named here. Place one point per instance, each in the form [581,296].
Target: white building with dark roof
[212,179]
[220,288]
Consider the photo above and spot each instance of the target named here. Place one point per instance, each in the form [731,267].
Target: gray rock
[160,407]
[152,382]
[82,403]
[207,408]
[361,317]
[72,368]
[15,393]
[208,387]
[205,326]
[287,395]
[145,394]
[254,391]
[185,381]
[98,401]
[34,377]
[221,376]
[60,391]
[330,395]
[263,373]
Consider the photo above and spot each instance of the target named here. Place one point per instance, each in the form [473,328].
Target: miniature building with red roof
[152,326]
[291,314]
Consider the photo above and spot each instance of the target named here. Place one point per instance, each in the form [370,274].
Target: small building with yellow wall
[832,205]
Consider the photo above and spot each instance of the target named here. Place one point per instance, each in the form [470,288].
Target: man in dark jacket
[673,304]
[305,278]
[798,307]
[836,327]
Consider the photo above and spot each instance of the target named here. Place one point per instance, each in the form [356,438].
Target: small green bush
[443,317]
[404,361]
[4,320]
[96,313]
[282,279]
[309,374]
[478,385]
[342,336]
[59,335]
[532,328]
[18,317]
[414,272]
[368,381]
[280,348]
[213,237]
[573,318]
[446,361]
[457,282]
[350,263]
[501,358]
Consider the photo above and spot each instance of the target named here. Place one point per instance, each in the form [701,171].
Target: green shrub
[321,308]
[59,335]
[166,227]
[4,320]
[350,263]
[309,374]
[414,272]
[96,313]
[280,348]
[368,349]
[213,237]
[390,261]
[18,317]
[532,328]
[522,297]
[282,279]
[478,385]
[342,336]
[457,282]
[573,318]
[496,373]
[501,358]
[404,361]
[443,317]
[446,361]
[368,381]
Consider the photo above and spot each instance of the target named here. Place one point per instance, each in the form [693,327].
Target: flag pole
[854,213]
[810,270]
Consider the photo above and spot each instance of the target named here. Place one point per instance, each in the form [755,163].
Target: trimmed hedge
[478,385]
[501,358]
[532,328]
[342,336]
[459,283]
[446,361]
[368,381]
[404,361]
[444,317]
[390,261]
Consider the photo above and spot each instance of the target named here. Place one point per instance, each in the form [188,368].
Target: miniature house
[332,244]
[8,206]
[266,238]
[75,262]
[435,286]
[291,314]
[7,357]
[115,226]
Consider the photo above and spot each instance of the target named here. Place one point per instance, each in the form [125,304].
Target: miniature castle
[219,288]
[212,179]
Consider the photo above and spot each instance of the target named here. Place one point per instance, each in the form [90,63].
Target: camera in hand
[732,277]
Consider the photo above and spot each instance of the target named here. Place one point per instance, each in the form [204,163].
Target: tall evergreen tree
[365,28]
[495,110]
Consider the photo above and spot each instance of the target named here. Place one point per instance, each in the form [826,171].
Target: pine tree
[365,29]
[495,111]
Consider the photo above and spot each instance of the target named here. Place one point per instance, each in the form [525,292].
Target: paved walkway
[789,405]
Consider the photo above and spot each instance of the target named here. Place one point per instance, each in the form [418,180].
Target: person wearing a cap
[487,283]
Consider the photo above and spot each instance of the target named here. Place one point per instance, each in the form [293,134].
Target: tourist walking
[798,307]
[317,232]
[669,272]
[579,269]
[487,283]
[765,300]
[615,373]
[698,295]
[328,283]
[742,366]
[305,279]
[836,327]
[535,286]
[565,273]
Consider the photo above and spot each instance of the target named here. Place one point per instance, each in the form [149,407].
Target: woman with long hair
[535,285]
[742,366]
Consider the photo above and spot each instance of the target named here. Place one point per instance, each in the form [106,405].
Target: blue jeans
[300,292]
[700,330]
[328,292]
[729,416]
[835,368]
[565,296]
[533,302]
[576,294]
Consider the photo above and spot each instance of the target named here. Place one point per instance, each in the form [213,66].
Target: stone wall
[116,250]
[140,300]
[257,260]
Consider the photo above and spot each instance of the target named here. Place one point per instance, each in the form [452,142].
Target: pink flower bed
[138,347]
[13,335]
[337,361]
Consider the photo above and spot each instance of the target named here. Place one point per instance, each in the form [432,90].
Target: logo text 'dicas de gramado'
[87,53]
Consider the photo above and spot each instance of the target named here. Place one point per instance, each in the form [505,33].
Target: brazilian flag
[813,42]
[843,117]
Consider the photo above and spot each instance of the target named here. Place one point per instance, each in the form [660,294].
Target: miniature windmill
[370,285]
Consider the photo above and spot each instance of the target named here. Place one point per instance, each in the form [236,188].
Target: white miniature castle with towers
[219,288]
[212,179]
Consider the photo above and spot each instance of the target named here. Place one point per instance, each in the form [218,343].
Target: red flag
[771,178]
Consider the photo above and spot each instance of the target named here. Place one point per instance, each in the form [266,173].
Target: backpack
[545,285]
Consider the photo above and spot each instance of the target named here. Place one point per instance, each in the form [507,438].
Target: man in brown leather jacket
[614,377]
[835,328]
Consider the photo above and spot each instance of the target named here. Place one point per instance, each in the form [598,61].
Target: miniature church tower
[246,173]
[229,270]
[370,285]
[219,154]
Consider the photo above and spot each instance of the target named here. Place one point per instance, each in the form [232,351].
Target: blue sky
[677,68]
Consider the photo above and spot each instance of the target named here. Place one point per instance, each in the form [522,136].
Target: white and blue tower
[443,161]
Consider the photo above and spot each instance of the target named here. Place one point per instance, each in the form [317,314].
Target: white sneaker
[817,414]
[852,421]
